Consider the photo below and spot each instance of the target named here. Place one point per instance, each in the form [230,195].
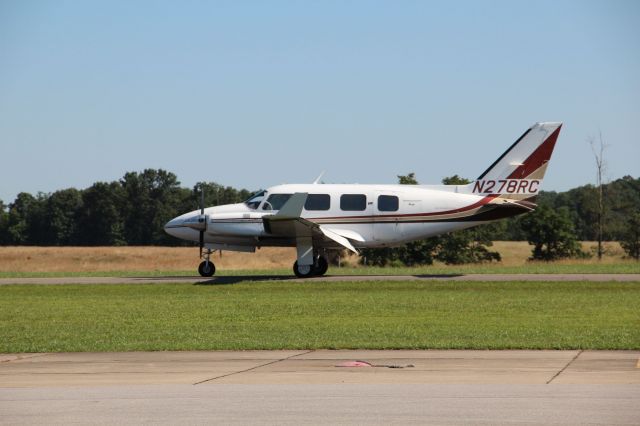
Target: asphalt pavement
[315,387]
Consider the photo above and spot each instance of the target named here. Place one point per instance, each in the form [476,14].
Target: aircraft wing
[288,223]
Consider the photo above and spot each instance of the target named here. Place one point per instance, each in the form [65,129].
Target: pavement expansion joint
[253,368]
[21,357]
[566,366]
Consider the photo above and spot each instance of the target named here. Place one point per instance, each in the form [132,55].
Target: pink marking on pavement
[354,364]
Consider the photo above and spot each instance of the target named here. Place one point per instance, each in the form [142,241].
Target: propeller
[202,220]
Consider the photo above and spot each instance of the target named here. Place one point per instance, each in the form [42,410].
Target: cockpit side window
[254,201]
[275,201]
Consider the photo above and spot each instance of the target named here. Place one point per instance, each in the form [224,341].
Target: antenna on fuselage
[317,181]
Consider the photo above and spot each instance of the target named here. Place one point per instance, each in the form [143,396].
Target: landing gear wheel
[302,271]
[207,269]
[321,266]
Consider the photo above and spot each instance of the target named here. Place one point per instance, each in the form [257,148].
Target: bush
[631,240]
[552,234]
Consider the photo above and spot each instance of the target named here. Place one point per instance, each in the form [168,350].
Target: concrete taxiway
[311,387]
[231,279]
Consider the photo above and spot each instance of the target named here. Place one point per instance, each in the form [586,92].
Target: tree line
[133,210]
[129,211]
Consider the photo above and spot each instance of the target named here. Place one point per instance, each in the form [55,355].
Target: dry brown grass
[516,253]
[99,259]
[103,259]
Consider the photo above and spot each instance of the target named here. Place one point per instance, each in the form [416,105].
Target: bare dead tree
[598,147]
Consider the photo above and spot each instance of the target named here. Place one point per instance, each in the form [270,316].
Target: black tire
[303,273]
[321,266]
[207,269]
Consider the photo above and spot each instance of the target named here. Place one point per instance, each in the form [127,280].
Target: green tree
[552,234]
[100,222]
[455,180]
[60,217]
[151,199]
[622,200]
[582,205]
[4,224]
[383,256]
[415,253]
[22,219]
[419,252]
[466,246]
[409,179]
[631,241]
[215,195]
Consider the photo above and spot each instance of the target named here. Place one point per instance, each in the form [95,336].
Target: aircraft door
[387,210]
[410,226]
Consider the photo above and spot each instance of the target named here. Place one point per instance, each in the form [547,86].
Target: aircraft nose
[172,226]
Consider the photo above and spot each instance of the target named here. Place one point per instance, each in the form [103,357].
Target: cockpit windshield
[254,201]
[276,201]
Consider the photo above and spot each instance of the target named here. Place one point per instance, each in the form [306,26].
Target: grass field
[168,261]
[279,315]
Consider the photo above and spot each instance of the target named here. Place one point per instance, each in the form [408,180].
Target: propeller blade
[203,218]
[202,200]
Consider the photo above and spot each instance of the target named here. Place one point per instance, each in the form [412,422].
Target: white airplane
[317,217]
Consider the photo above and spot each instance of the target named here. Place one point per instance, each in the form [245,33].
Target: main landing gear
[319,267]
[207,268]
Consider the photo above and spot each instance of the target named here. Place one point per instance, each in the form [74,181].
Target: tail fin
[518,173]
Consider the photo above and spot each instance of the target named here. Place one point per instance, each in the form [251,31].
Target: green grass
[532,268]
[293,315]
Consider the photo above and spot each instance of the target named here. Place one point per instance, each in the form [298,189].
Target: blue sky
[252,94]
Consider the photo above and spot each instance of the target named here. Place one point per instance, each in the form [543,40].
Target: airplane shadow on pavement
[233,279]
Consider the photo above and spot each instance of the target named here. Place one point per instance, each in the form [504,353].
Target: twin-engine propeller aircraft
[317,217]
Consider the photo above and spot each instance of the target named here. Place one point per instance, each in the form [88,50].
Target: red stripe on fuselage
[477,204]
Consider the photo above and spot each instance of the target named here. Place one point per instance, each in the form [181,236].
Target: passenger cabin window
[275,201]
[353,202]
[388,203]
[318,202]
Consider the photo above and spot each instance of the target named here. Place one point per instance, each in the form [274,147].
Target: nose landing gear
[206,267]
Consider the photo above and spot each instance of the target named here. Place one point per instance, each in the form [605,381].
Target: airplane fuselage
[316,217]
[376,215]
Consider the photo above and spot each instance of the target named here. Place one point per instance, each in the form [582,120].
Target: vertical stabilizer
[518,173]
[527,158]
